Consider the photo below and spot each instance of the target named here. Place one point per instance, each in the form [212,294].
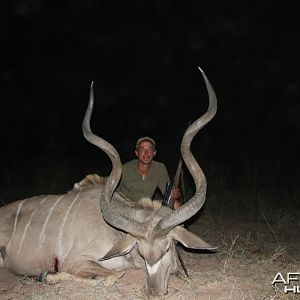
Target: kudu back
[93,231]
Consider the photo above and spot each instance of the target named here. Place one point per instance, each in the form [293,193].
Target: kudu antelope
[93,231]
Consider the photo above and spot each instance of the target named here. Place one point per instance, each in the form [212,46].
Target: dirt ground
[250,254]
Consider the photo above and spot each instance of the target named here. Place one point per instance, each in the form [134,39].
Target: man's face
[145,152]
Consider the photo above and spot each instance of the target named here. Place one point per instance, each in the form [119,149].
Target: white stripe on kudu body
[42,234]
[17,216]
[60,235]
[28,224]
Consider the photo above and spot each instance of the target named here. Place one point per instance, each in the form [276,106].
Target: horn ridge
[192,206]
[114,215]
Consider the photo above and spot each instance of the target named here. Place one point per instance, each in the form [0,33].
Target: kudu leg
[88,272]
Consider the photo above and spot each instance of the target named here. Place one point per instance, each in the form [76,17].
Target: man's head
[145,150]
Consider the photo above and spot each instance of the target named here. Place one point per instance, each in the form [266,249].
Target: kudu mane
[89,181]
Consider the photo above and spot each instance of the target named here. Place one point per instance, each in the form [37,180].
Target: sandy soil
[250,254]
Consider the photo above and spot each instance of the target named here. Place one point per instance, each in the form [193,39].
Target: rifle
[168,199]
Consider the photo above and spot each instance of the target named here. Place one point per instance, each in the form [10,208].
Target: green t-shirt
[135,187]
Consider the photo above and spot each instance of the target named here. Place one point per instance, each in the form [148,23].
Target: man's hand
[176,193]
[176,196]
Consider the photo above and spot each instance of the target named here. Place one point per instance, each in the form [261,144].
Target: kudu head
[151,228]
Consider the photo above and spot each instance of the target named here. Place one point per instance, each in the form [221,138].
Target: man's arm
[163,178]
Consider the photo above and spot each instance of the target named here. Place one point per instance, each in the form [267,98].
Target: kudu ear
[122,247]
[188,239]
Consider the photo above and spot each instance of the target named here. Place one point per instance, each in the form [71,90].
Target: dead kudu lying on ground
[72,236]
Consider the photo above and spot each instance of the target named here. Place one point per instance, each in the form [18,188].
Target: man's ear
[136,152]
[154,153]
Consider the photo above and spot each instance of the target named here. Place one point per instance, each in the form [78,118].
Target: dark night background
[143,57]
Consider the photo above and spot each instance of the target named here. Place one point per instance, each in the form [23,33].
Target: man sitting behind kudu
[142,176]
